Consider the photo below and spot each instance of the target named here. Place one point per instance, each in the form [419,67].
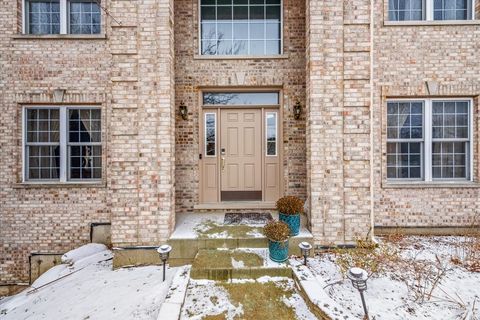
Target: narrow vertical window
[42,144]
[404,140]
[210,134]
[271,133]
[43,16]
[84,17]
[450,139]
[84,144]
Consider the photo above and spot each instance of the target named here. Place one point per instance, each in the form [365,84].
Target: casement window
[429,140]
[62,17]
[240,27]
[416,10]
[62,144]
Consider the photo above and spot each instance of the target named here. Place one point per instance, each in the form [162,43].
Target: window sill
[427,185]
[56,184]
[232,57]
[60,36]
[431,23]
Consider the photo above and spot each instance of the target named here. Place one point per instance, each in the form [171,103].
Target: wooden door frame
[217,108]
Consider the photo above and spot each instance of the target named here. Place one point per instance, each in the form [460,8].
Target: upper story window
[416,10]
[62,144]
[62,17]
[429,140]
[240,27]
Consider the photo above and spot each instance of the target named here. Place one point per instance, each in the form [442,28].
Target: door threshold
[236,205]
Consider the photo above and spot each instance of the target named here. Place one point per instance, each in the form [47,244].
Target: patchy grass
[214,259]
[261,300]
[210,229]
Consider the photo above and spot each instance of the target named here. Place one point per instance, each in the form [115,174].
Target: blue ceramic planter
[278,250]
[293,222]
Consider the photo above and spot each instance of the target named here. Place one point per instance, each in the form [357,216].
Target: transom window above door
[416,10]
[241,27]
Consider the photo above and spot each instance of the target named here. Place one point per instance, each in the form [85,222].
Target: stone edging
[172,306]
[318,300]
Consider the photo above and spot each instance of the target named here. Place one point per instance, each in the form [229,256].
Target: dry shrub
[374,259]
[467,252]
[276,230]
[290,205]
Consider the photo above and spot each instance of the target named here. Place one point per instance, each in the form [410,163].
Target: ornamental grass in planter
[277,233]
[289,210]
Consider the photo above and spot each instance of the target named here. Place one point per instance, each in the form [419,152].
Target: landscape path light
[359,278]
[305,248]
[164,252]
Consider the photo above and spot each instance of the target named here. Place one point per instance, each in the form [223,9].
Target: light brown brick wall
[129,73]
[405,58]
[338,125]
[286,72]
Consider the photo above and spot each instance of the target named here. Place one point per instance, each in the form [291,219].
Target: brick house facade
[342,61]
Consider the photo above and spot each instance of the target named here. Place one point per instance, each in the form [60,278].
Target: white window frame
[276,133]
[428,14]
[64,21]
[205,133]
[428,140]
[199,24]
[64,145]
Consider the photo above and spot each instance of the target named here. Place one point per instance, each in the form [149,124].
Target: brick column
[338,126]
[141,118]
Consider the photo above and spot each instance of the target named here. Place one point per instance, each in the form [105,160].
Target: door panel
[241,177]
[209,157]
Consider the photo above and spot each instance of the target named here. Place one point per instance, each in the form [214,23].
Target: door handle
[222,164]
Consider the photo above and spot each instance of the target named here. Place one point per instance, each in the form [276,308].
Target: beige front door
[241,154]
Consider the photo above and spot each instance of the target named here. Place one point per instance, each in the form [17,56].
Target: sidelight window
[271,133]
[210,134]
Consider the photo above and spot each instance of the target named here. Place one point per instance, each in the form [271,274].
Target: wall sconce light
[183,111]
[297,110]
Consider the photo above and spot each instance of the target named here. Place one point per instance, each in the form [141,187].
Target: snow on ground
[395,292]
[90,289]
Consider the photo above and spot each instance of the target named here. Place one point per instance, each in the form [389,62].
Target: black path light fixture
[164,252]
[297,110]
[305,248]
[359,278]
[183,111]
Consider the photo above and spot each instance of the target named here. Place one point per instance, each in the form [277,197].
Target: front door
[241,154]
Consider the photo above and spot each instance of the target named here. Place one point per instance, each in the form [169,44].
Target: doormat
[247,218]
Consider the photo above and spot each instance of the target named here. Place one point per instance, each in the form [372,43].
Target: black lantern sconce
[183,111]
[297,110]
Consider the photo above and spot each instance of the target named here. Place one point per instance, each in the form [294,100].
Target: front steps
[223,265]
[195,232]
[204,231]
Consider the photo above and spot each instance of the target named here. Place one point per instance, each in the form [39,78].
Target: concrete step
[245,263]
